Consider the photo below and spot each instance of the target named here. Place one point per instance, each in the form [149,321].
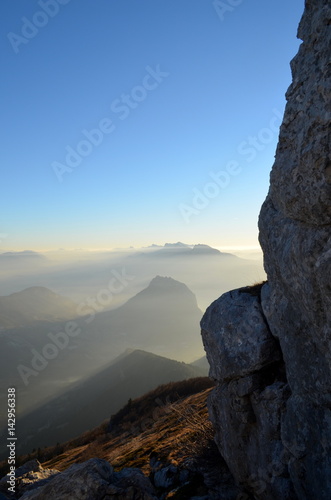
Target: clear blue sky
[178,88]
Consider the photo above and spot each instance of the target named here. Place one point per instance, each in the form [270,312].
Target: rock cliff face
[269,347]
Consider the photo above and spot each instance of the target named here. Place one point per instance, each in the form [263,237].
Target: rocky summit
[269,346]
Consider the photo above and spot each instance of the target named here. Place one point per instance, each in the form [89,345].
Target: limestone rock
[131,483]
[80,481]
[248,404]
[300,184]
[237,337]
[295,235]
[28,477]
[34,479]
[94,479]
[167,477]
[274,429]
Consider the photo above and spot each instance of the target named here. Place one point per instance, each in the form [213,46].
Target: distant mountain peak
[183,251]
[35,290]
[167,284]
[172,294]
[205,249]
[163,281]
[179,244]
[36,303]
[23,253]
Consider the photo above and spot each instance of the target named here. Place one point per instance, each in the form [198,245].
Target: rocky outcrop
[271,353]
[78,481]
[28,477]
[295,234]
[94,479]
[248,403]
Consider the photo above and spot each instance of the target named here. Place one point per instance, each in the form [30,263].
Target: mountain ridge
[95,398]
[34,304]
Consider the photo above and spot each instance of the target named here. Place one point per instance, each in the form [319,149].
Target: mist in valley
[67,316]
[80,274]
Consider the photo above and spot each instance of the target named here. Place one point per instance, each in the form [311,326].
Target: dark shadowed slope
[96,398]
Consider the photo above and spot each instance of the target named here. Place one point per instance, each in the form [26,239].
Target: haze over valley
[78,274]
[82,311]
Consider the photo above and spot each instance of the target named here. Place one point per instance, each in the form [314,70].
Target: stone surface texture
[91,480]
[28,477]
[96,479]
[249,402]
[80,481]
[271,352]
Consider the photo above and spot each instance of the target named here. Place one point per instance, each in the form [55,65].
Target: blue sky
[137,122]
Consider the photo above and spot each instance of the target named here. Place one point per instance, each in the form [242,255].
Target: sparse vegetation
[254,289]
[200,432]
[157,399]
[170,421]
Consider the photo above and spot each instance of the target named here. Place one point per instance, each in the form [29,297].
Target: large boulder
[238,337]
[249,402]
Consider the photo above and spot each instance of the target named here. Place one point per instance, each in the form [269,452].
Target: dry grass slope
[170,422]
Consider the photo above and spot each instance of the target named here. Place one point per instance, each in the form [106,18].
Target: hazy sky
[136,122]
